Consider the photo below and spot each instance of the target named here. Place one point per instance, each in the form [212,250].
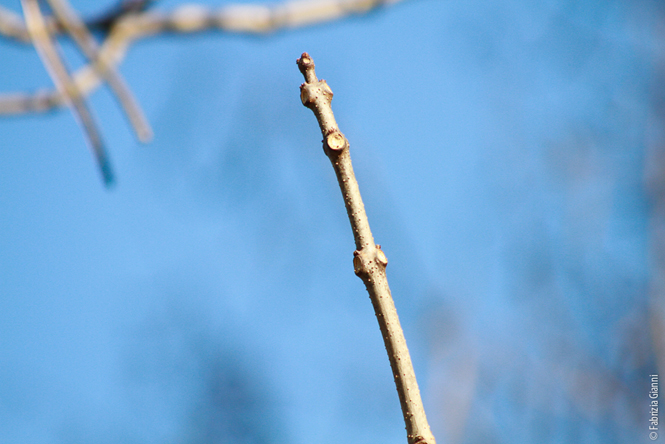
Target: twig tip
[306,67]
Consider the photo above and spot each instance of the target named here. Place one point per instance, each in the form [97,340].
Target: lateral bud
[357,263]
[335,141]
[381,256]
[368,260]
[311,93]
[416,439]
[306,67]
[306,94]
[362,262]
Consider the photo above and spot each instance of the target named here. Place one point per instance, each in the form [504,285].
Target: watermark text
[653,408]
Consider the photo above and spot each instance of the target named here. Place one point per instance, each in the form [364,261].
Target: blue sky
[500,148]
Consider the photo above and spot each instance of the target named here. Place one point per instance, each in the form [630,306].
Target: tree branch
[129,23]
[121,26]
[88,45]
[85,79]
[369,261]
[48,52]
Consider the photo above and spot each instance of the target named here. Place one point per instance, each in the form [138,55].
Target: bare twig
[130,21]
[48,51]
[242,18]
[106,20]
[84,39]
[235,18]
[369,261]
[12,26]
[85,79]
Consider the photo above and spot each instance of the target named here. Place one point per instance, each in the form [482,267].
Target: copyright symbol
[653,436]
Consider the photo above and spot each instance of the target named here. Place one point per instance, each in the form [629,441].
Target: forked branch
[129,21]
[48,51]
[369,261]
[132,21]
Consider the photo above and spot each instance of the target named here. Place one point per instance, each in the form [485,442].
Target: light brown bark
[369,261]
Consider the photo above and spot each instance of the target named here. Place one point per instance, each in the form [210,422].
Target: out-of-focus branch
[240,18]
[106,20]
[188,18]
[48,51]
[369,261]
[12,26]
[121,26]
[84,39]
[86,80]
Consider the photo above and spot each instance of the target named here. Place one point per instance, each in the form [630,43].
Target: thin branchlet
[369,261]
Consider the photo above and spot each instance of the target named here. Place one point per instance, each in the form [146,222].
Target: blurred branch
[105,21]
[235,18]
[13,27]
[369,261]
[131,20]
[48,52]
[86,80]
[84,39]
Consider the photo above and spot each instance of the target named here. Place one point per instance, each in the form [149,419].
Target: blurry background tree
[511,160]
